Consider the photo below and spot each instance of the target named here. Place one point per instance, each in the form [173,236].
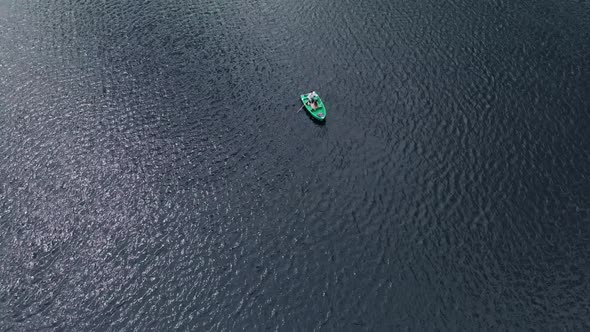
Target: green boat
[319,111]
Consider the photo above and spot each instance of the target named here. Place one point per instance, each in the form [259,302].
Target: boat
[318,113]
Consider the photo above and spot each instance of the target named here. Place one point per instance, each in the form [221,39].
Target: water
[156,174]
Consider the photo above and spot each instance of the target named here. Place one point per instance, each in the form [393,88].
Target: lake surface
[156,174]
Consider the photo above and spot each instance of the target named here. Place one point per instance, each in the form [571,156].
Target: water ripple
[157,175]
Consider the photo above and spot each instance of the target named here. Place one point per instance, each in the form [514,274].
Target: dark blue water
[155,174]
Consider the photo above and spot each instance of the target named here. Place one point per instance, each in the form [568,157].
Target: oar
[300,108]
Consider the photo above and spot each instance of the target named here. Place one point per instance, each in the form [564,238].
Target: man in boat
[313,99]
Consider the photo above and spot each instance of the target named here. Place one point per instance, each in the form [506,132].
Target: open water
[155,174]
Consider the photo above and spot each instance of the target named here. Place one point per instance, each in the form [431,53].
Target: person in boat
[313,99]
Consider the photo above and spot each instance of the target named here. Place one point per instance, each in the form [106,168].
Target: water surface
[156,174]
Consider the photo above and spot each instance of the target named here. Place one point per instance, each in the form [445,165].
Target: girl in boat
[313,99]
